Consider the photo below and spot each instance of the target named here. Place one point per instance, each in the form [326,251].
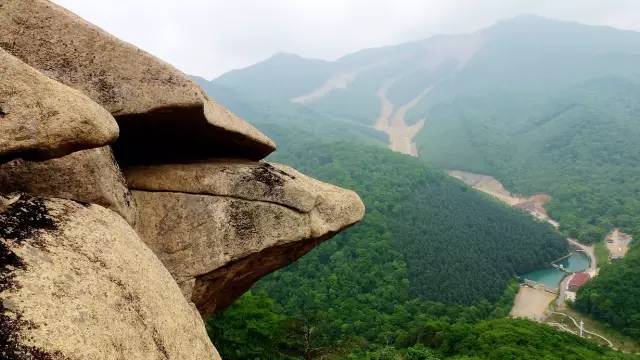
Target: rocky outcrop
[76,282]
[220,226]
[88,176]
[248,180]
[162,114]
[41,118]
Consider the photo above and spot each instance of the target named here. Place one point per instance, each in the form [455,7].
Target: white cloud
[209,37]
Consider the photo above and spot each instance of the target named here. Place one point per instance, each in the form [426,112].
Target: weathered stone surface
[162,114]
[88,176]
[41,118]
[220,226]
[247,180]
[76,282]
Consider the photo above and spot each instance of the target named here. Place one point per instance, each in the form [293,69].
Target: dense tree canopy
[580,147]
[536,108]
[459,246]
[614,296]
[391,284]
[519,339]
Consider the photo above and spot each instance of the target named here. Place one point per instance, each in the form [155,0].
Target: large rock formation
[76,282]
[41,118]
[220,226]
[88,176]
[162,114]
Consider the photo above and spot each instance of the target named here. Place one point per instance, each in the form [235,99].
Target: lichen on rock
[81,285]
[19,221]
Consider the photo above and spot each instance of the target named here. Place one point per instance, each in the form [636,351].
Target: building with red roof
[578,280]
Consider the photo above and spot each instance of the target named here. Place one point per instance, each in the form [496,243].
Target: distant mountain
[527,54]
[281,76]
[542,105]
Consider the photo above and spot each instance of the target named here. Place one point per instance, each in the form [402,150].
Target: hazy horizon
[199,41]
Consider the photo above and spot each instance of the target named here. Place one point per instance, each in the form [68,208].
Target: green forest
[384,289]
[578,147]
[581,148]
[544,106]
[614,295]
[459,246]
[257,327]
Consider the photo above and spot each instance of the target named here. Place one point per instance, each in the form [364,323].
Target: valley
[528,103]
[550,279]
[542,295]
[341,180]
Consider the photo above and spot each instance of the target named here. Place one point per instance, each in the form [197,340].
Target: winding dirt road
[575,323]
[533,204]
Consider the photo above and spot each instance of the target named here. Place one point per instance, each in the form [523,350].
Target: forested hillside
[614,296]
[580,149]
[541,105]
[459,245]
[256,327]
[425,237]
[352,297]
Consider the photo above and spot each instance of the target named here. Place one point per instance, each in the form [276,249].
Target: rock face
[41,118]
[88,176]
[76,282]
[220,226]
[162,114]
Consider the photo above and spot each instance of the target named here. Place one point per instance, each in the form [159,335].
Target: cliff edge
[131,204]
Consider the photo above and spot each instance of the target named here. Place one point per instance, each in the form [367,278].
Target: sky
[210,37]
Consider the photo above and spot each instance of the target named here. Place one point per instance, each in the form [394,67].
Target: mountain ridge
[544,106]
[518,19]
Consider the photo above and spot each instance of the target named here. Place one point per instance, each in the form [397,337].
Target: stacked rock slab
[163,115]
[88,176]
[219,226]
[76,280]
[41,118]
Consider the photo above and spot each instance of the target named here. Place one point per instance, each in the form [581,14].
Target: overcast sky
[210,37]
